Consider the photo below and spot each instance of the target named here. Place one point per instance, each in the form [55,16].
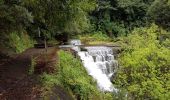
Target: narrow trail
[15,83]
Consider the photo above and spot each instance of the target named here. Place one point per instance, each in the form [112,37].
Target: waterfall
[75,42]
[103,57]
[100,63]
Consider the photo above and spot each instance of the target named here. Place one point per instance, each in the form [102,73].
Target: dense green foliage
[145,61]
[52,17]
[118,17]
[144,72]
[20,42]
[61,15]
[13,18]
[73,77]
[160,12]
[95,38]
[69,17]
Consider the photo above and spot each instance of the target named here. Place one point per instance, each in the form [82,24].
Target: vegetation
[52,17]
[140,27]
[72,76]
[95,38]
[144,70]
[159,12]
[20,42]
[32,67]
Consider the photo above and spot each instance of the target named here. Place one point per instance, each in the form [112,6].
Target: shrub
[19,42]
[95,38]
[32,67]
[145,63]
[98,36]
[73,77]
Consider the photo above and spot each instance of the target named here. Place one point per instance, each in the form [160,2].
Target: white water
[75,42]
[100,64]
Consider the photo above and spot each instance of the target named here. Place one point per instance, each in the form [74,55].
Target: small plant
[49,80]
[19,42]
[32,67]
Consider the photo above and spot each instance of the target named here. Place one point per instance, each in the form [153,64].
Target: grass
[95,38]
[72,76]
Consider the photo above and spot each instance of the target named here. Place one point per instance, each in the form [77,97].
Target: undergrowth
[95,38]
[145,63]
[72,76]
[20,42]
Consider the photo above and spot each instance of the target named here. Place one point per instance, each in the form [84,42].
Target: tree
[160,13]
[62,16]
[134,12]
[13,18]
[145,62]
[124,15]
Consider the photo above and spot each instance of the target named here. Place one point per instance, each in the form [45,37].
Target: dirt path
[15,83]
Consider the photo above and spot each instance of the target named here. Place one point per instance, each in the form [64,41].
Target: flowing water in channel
[99,62]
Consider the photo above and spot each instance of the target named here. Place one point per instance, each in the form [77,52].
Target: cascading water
[75,42]
[100,64]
